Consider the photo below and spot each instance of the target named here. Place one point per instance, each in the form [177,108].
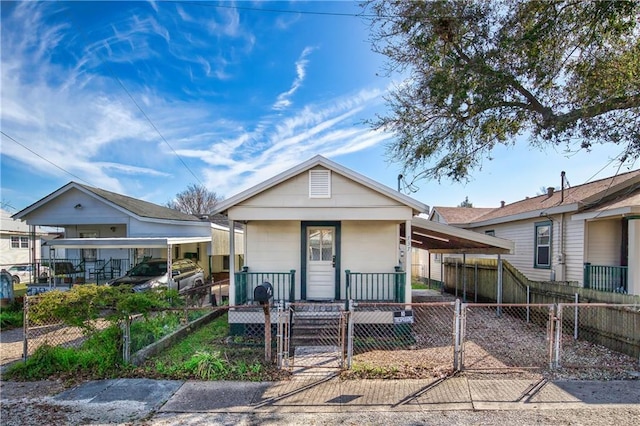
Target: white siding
[574,249]
[274,246]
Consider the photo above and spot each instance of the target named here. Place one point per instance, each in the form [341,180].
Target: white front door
[321,279]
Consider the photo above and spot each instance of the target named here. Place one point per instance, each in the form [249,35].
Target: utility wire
[114,75]
[48,161]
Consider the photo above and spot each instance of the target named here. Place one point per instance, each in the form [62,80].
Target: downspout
[561,255]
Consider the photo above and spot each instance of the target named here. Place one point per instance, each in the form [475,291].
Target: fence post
[457,277]
[25,329]
[457,337]
[350,335]
[528,303]
[558,342]
[475,282]
[126,340]
[441,274]
[499,295]
[550,334]
[575,318]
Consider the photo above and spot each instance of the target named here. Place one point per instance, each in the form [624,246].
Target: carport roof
[151,242]
[440,238]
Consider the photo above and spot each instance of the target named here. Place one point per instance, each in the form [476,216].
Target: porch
[606,278]
[358,286]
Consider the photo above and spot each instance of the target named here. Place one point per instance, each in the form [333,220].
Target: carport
[126,243]
[445,239]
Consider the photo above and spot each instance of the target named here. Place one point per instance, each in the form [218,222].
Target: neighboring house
[322,232]
[589,234]
[106,233]
[18,244]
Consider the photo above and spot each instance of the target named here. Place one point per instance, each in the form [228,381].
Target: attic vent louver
[319,183]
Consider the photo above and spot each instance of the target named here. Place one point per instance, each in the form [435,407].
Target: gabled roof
[319,160]
[139,208]
[596,194]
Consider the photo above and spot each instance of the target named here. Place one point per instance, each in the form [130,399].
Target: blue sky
[146,98]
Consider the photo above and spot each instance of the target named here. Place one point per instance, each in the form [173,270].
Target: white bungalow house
[322,232]
[589,234]
[21,244]
[106,233]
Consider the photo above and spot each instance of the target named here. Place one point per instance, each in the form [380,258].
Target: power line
[153,126]
[48,161]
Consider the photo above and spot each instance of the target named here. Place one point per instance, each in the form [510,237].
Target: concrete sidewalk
[323,400]
[332,395]
[457,393]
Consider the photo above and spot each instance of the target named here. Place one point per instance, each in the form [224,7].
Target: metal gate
[312,335]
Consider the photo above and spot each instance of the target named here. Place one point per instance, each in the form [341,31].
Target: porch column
[232,263]
[408,261]
[633,270]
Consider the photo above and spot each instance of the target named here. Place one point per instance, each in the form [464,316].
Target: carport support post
[499,295]
[464,277]
[232,263]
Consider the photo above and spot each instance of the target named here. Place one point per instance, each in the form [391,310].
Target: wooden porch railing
[606,278]
[376,286]
[284,285]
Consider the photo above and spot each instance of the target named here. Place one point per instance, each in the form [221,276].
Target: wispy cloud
[284,99]
[77,115]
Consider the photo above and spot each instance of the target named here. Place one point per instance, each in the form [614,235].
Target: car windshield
[154,269]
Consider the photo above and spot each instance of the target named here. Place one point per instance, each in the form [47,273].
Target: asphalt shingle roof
[139,207]
[580,194]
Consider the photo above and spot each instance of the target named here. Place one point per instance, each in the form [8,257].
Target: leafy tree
[466,203]
[196,200]
[479,74]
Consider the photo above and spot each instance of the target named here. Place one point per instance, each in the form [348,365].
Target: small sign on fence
[403,317]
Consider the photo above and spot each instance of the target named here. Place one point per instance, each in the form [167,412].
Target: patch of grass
[368,371]
[207,354]
[418,286]
[11,316]
[19,290]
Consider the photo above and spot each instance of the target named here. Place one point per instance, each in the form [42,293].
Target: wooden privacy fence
[476,280]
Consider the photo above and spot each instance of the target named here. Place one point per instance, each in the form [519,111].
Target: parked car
[152,273]
[25,273]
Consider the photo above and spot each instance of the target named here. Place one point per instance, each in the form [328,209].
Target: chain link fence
[497,337]
[49,330]
[598,335]
[395,340]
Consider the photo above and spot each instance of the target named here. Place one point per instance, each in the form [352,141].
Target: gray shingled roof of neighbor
[139,207]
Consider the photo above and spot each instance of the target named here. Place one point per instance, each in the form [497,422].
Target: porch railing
[284,285]
[376,286]
[606,278]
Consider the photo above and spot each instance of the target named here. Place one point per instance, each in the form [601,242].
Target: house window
[89,255]
[542,245]
[225,262]
[490,232]
[20,242]
[319,183]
